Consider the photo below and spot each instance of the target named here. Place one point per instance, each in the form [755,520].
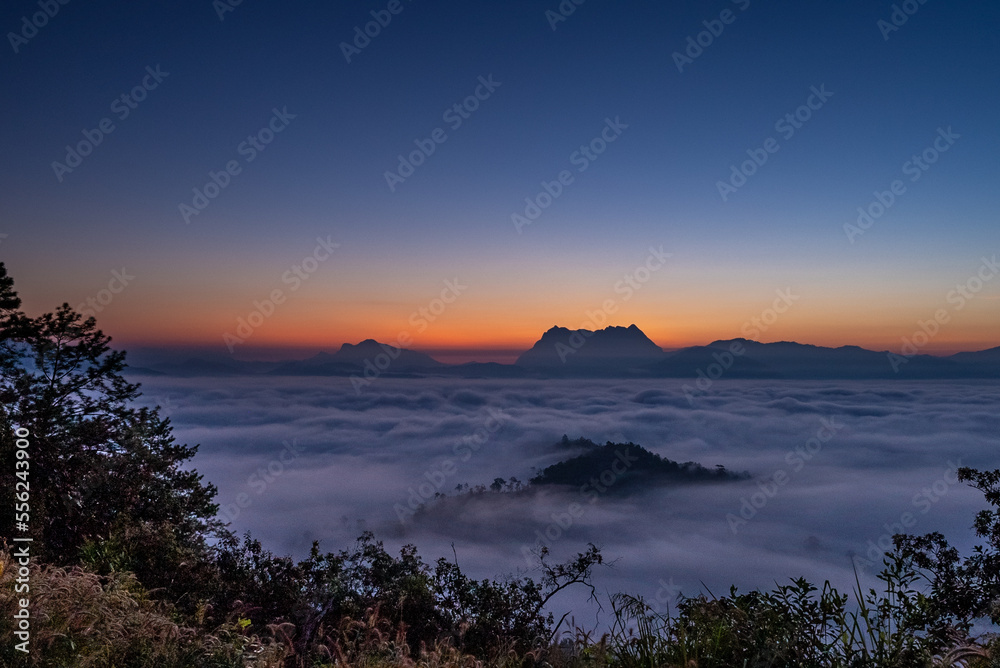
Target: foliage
[106,478]
[426,605]
[961,590]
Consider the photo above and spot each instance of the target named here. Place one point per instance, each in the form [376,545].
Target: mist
[836,468]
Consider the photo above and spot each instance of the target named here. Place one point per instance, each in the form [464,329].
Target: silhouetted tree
[106,477]
[961,589]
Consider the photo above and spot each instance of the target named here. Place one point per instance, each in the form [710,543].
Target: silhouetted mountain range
[351,359]
[619,352]
[609,349]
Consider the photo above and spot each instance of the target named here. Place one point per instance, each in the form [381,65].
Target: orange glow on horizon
[671,321]
[502,349]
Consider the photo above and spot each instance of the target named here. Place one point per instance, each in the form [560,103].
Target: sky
[252,171]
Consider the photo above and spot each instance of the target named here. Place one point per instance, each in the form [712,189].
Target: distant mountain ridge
[350,359]
[624,352]
[611,348]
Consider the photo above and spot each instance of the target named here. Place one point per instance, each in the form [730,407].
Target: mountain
[985,357]
[628,352]
[197,366]
[370,348]
[182,362]
[354,359]
[621,352]
[484,370]
[142,371]
[742,358]
[612,349]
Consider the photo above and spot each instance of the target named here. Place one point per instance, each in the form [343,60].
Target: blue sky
[655,185]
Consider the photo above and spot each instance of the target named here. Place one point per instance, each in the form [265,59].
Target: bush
[313,601]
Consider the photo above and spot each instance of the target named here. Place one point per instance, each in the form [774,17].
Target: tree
[10,313]
[10,316]
[961,590]
[106,478]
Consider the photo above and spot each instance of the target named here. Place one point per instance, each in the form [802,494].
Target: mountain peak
[583,349]
[369,349]
[367,343]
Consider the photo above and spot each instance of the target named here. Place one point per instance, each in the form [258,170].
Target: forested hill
[626,467]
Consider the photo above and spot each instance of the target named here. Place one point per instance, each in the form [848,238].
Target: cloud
[361,455]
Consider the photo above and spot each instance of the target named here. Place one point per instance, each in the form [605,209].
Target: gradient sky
[655,185]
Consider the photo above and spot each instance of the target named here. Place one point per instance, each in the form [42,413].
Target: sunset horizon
[507,352]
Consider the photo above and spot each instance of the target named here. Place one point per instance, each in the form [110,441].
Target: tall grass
[83,620]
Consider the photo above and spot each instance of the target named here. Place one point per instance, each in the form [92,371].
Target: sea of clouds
[836,468]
